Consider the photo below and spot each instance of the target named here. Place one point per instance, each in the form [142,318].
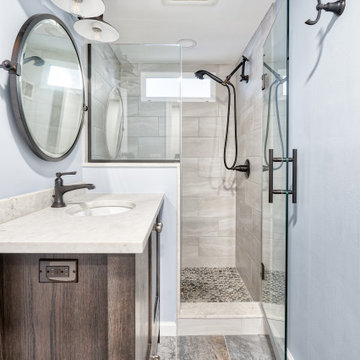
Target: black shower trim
[336,7]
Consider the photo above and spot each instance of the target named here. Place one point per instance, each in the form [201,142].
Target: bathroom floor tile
[249,347]
[252,347]
[202,348]
[213,285]
[167,349]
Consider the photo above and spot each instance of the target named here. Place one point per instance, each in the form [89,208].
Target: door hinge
[262,271]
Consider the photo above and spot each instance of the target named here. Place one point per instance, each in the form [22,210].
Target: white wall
[149,180]
[21,170]
[324,234]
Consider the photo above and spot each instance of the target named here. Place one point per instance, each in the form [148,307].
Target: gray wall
[248,197]
[324,234]
[208,189]
[22,171]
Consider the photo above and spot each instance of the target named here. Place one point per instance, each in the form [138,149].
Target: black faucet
[61,189]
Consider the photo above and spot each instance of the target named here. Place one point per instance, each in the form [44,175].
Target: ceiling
[221,31]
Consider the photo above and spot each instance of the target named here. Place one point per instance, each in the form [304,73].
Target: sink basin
[101,208]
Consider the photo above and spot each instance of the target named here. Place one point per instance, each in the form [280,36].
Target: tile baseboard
[240,326]
[168,328]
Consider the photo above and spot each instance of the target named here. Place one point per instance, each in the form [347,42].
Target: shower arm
[243,76]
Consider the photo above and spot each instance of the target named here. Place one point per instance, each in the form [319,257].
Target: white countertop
[55,231]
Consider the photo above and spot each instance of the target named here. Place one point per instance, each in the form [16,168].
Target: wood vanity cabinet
[111,313]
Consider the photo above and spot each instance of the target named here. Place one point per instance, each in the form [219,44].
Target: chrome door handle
[273,160]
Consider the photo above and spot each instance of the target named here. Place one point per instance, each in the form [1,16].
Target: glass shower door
[274,179]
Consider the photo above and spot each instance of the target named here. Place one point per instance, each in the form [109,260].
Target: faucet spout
[61,189]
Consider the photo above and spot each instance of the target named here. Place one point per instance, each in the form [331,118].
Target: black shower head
[201,73]
[38,61]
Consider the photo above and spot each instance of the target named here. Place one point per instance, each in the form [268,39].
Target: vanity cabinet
[112,312]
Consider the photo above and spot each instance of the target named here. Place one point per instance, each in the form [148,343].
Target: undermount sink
[101,208]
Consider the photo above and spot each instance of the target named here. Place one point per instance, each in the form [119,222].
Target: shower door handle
[273,160]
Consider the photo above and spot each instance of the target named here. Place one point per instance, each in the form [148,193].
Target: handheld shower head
[201,73]
[38,61]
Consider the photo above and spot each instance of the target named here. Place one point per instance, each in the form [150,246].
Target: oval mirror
[114,122]
[48,96]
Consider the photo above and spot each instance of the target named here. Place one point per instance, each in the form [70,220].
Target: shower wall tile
[204,226]
[200,109]
[211,126]
[249,191]
[227,226]
[225,207]
[200,147]
[190,126]
[208,189]
[216,247]
[143,126]
[212,168]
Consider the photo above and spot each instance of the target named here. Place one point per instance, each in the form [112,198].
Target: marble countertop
[56,231]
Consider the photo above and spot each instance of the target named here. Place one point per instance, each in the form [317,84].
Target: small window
[168,86]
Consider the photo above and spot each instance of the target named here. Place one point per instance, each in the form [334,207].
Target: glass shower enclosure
[276,193]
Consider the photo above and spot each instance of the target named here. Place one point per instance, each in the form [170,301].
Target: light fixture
[189,2]
[96,29]
[187,43]
[82,8]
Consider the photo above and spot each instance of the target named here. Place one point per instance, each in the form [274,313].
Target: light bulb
[97,32]
[76,7]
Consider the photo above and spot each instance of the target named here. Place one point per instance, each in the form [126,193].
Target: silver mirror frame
[15,88]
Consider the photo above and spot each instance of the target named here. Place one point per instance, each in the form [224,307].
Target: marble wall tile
[211,126]
[211,167]
[208,262]
[190,126]
[190,207]
[217,247]
[217,206]
[199,109]
[149,108]
[253,194]
[227,226]
[200,147]
[200,226]
[151,147]
[143,126]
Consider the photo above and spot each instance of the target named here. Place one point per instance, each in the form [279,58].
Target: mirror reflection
[114,122]
[51,89]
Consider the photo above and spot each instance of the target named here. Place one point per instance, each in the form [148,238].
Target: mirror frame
[15,88]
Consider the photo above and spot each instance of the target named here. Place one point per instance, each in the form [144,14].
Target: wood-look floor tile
[250,347]
[202,348]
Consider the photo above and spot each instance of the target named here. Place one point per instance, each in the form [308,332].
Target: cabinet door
[154,313]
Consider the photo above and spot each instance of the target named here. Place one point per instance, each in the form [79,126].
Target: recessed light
[189,2]
[187,43]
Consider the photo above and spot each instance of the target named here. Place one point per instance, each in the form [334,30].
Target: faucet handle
[59,174]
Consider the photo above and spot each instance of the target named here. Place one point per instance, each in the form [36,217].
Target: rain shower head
[201,73]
